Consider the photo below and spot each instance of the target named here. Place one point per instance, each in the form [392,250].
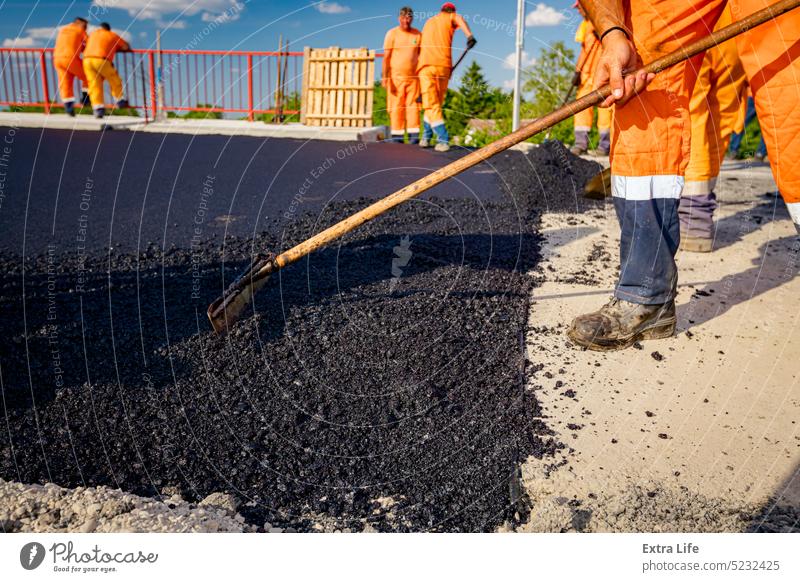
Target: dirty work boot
[413,138]
[69,108]
[85,100]
[619,324]
[442,147]
[100,112]
[123,104]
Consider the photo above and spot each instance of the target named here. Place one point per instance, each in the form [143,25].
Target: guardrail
[232,82]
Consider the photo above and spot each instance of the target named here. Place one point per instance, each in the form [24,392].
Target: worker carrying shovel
[98,64]
[70,43]
[650,146]
[400,58]
[435,66]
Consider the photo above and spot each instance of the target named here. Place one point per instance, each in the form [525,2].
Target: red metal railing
[227,82]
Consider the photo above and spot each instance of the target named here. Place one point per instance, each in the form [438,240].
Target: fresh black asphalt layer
[379,382]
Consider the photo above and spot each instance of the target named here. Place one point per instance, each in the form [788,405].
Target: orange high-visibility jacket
[404,47]
[69,42]
[590,49]
[437,40]
[104,44]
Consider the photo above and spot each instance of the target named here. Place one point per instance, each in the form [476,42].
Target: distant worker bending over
[400,58]
[98,64]
[70,42]
[435,66]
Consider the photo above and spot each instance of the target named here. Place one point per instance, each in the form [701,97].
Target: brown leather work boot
[619,324]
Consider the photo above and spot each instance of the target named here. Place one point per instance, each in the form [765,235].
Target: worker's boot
[123,104]
[69,108]
[442,137]
[696,215]
[581,142]
[619,324]
[413,138]
[100,112]
[85,100]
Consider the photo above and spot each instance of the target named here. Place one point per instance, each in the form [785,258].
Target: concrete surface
[53,509]
[194,126]
[698,432]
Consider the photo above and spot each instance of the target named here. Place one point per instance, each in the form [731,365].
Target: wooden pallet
[337,87]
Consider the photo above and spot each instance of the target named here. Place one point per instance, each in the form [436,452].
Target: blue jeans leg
[650,234]
[441,133]
[427,131]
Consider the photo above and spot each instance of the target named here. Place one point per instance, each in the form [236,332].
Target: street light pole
[518,62]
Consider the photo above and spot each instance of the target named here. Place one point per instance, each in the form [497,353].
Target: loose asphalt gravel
[379,383]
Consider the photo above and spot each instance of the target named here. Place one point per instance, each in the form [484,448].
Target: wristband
[622,30]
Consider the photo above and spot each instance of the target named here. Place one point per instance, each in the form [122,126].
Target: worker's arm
[386,68]
[459,22]
[619,53]
[122,46]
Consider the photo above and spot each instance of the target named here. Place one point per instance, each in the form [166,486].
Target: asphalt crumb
[376,383]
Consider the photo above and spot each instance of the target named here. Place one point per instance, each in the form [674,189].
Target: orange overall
[401,48]
[98,64]
[67,60]
[587,63]
[435,64]
[652,132]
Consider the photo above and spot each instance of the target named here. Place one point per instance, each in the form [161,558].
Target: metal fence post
[250,87]
[153,101]
[45,88]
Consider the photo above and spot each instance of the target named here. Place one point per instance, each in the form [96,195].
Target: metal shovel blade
[226,310]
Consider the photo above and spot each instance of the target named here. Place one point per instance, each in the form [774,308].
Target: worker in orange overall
[584,81]
[714,111]
[98,64]
[650,146]
[70,42]
[434,68]
[400,56]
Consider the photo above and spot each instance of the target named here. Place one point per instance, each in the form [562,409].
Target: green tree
[547,82]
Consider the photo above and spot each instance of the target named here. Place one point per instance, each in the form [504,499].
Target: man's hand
[387,82]
[618,59]
[471,42]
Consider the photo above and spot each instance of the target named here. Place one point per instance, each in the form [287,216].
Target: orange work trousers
[715,109]
[402,105]
[67,70]
[433,84]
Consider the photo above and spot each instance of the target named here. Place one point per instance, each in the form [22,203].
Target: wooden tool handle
[476,157]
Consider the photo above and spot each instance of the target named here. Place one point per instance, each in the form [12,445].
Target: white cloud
[157,9]
[544,15]
[332,8]
[173,24]
[508,84]
[37,36]
[222,18]
[527,60]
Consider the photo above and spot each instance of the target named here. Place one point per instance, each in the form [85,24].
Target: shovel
[229,308]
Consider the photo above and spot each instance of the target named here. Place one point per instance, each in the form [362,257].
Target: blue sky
[256,24]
